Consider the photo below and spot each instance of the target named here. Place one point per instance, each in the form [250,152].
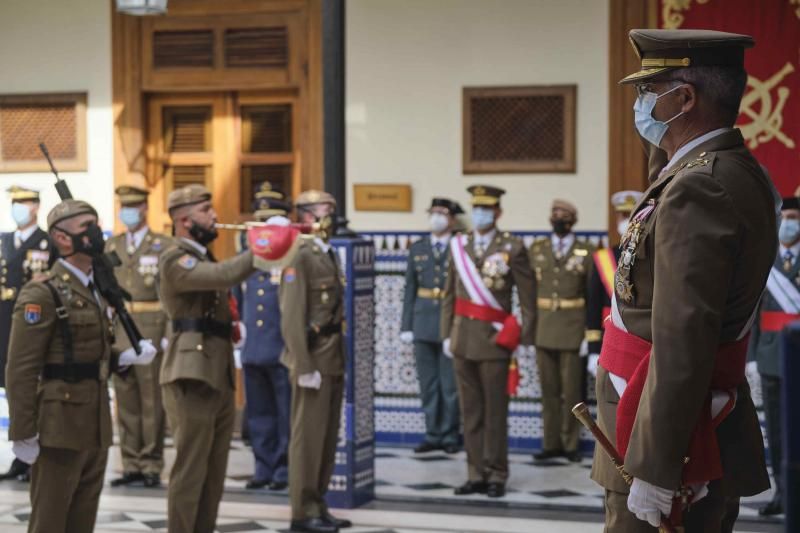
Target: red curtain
[770,114]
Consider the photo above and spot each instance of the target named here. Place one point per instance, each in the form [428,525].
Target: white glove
[592,364]
[130,357]
[649,502]
[243,333]
[446,348]
[164,344]
[583,351]
[406,337]
[26,450]
[310,381]
[751,369]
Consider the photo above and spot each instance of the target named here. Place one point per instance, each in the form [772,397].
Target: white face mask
[622,227]
[482,218]
[21,213]
[651,129]
[438,222]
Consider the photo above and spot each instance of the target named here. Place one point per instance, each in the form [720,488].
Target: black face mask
[96,243]
[202,235]
[561,227]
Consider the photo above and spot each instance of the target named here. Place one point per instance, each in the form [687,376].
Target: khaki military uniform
[197,377]
[700,267]
[71,417]
[138,395]
[562,281]
[481,365]
[311,300]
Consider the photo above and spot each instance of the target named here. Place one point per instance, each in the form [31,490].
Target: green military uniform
[694,264]
[312,307]
[197,374]
[57,386]
[140,411]
[562,281]
[481,365]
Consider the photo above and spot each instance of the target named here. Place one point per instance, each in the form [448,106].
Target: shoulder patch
[187,261]
[289,274]
[33,313]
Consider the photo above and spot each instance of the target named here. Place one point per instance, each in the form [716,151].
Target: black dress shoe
[450,449]
[313,525]
[496,490]
[471,487]
[278,485]
[574,457]
[17,469]
[426,447]
[547,454]
[772,508]
[127,478]
[254,484]
[341,523]
[152,480]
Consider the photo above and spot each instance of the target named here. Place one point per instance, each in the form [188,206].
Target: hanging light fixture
[142,7]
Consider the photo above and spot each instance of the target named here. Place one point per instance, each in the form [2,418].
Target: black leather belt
[72,373]
[206,326]
[330,329]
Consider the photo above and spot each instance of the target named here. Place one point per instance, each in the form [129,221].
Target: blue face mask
[789,231]
[21,213]
[482,218]
[130,216]
[651,129]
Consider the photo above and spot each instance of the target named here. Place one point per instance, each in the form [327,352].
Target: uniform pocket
[67,411]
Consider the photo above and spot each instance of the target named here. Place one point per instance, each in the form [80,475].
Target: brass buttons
[199,347]
[259,323]
[260,292]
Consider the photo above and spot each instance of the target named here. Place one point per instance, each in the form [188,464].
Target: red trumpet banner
[769,117]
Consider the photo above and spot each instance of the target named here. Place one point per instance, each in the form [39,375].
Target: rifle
[103,269]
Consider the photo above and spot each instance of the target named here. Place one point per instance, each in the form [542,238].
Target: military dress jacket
[70,415]
[765,346]
[312,298]
[422,301]
[193,287]
[695,276]
[562,284]
[17,267]
[503,265]
[260,312]
[138,274]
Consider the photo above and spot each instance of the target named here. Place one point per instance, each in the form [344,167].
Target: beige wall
[62,46]
[407,61]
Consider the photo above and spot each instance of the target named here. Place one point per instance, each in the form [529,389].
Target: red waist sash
[509,335]
[628,356]
[606,314]
[776,320]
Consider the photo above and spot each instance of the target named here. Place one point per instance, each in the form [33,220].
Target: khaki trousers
[65,490]
[561,377]
[482,390]
[201,419]
[716,513]
[312,448]
[140,414]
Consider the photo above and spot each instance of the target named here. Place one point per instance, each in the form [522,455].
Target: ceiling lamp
[142,7]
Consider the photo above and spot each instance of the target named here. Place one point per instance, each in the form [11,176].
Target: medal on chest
[494,269]
[148,269]
[623,285]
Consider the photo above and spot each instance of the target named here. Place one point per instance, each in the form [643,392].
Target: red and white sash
[478,292]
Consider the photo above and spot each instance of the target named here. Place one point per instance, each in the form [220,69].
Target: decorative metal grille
[24,126]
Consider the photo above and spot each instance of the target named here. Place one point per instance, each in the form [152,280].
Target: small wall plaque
[383,197]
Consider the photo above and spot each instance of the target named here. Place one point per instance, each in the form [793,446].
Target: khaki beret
[663,50]
[68,209]
[129,195]
[21,194]
[569,207]
[485,195]
[312,197]
[188,195]
[625,201]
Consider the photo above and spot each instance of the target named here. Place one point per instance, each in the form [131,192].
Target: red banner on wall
[770,114]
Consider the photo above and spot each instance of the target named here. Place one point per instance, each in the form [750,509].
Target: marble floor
[414,494]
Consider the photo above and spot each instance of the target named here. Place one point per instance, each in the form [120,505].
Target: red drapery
[770,114]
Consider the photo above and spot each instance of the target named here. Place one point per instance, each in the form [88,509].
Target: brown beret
[129,195]
[566,206]
[312,197]
[68,209]
[189,195]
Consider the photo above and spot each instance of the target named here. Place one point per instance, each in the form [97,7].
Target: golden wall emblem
[764,111]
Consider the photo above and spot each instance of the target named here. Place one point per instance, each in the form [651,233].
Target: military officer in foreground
[601,277]
[312,308]
[24,253]
[140,412]
[60,357]
[671,388]
[561,264]
[266,380]
[779,307]
[425,278]
[197,375]
[481,333]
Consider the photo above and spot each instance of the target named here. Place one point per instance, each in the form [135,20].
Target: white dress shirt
[135,239]
[482,242]
[561,245]
[20,236]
